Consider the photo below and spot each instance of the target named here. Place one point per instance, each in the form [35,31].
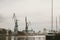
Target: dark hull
[56,36]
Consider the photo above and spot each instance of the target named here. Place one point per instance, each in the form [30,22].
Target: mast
[26,29]
[52,15]
[16,27]
[56,24]
[59,22]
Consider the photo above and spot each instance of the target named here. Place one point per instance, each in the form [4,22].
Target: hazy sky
[38,13]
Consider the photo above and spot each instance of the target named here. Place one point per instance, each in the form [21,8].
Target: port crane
[26,29]
[16,27]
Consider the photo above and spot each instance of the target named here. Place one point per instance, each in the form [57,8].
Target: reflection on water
[30,38]
[22,37]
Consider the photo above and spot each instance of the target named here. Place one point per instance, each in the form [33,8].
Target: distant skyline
[38,13]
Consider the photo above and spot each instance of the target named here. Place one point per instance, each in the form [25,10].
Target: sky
[38,13]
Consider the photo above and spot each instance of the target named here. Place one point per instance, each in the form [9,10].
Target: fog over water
[38,13]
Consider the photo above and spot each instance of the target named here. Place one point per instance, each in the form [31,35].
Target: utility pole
[16,27]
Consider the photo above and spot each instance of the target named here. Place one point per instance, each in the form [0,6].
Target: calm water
[33,38]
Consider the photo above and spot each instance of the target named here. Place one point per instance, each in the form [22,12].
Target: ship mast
[16,27]
[56,24]
[52,15]
[59,21]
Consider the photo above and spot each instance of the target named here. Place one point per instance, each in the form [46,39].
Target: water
[22,37]
[30,38]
